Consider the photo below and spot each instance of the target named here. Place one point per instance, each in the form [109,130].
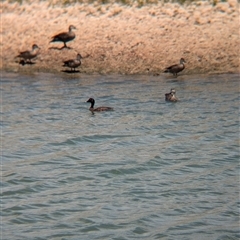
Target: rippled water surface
[148,170]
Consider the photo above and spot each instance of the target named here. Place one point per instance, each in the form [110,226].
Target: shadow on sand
[22,62]
[71,71]
[61,48]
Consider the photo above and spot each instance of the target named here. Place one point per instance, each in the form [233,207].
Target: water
[148,170]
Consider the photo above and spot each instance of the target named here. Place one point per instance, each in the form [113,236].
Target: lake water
[148,170]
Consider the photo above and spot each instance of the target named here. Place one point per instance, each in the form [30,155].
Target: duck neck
[92,104]
[182,63]
[35,51]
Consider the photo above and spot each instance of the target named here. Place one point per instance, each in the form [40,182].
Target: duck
[98,109]
[171,97]
[64,36]
[176,68]
[29,54]
[73,63]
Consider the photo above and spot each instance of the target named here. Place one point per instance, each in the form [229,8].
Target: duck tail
[54,39]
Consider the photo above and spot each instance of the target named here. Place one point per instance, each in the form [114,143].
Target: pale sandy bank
[114,38]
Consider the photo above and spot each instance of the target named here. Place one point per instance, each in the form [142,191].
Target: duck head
[173,91]
[182,61]
[79,57]
[71,27]
[35,46]
[91,100]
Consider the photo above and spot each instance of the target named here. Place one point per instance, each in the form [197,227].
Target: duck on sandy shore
[176,68]
[171,97]
[73,63]
[26,56]
[98,109]
[64,36]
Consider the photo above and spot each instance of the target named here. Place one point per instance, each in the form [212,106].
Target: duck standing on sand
[98,109]
[28,55]
[176,68]
[73,63]
[171,97]
[65,36]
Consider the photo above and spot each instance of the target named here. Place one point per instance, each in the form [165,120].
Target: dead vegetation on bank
[117,38]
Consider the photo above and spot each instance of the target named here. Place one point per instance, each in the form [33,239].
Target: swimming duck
[28,55]
[171,96]
[175,69]
[64,36]
[98,109]
[73,63]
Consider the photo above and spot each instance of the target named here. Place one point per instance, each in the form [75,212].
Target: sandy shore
[114,38]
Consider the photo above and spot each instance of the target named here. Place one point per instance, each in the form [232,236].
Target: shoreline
[118,39]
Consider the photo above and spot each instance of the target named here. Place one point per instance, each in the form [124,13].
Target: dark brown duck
[64,36]
[98,109]
[176,68]
[73,63]
[28,55]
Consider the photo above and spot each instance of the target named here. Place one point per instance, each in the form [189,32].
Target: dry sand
[115,38]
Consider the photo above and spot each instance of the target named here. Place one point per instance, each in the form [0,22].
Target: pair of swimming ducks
[171,97]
